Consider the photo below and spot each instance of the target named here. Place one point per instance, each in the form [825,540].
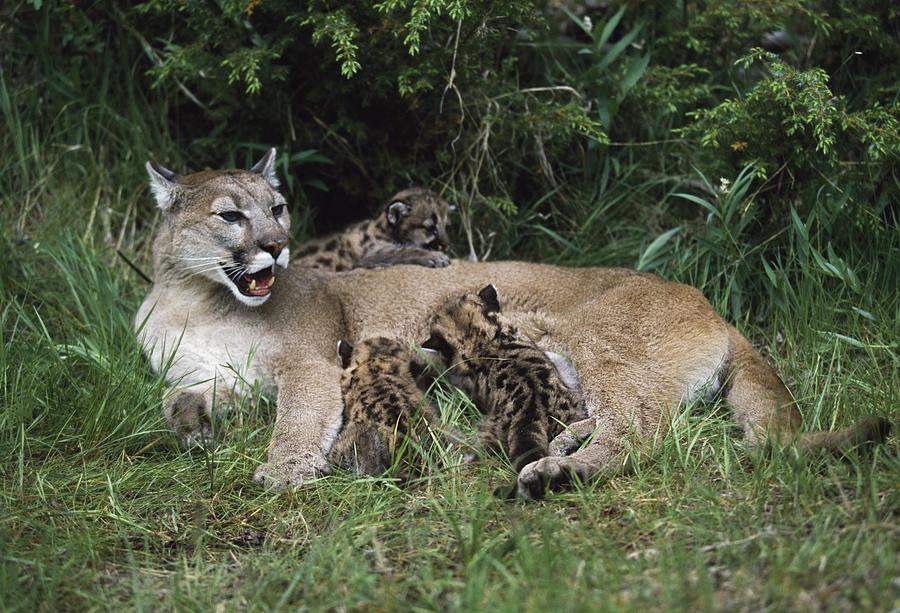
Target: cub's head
[380,353]
[376,347]
[417,216]
[463,326]
[227,226]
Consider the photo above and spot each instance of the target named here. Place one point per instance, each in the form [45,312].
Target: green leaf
[800,229]
[308,156]
[616,50]
[697,200]
[646,259]
[609,27]
[555,236]
[635,71]
[770,272]
[578,21]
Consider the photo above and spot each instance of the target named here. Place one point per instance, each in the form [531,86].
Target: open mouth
[255,284]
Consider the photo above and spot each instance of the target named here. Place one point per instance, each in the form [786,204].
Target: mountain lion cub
[525,400]
[411,229]
[383,405]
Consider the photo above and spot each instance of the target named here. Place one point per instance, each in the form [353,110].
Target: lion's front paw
[293,473]
[189,417]
[547,474]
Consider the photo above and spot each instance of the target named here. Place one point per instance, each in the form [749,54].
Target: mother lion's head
[225,226]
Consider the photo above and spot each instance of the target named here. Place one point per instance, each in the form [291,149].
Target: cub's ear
[488,295]
[438,343]
[345,350]
[396,211]
[266,168]
[162,184]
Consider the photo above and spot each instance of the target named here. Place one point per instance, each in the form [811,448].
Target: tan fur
[410,229]
[641,345]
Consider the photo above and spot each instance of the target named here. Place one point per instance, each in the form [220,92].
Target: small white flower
[588,24]
[724,185]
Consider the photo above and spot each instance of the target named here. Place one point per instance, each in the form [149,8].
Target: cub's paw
[573,437]
[548,474]
[436,260]
[188,415]
[564,444]
[471,458]
[292,473]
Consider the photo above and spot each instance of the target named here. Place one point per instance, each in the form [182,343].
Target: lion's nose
[274,248]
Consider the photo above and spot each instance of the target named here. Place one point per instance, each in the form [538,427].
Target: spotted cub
[411,229]
[525,400]
[383,405]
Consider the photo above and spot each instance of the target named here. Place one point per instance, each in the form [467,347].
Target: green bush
[564,131]
[791,121]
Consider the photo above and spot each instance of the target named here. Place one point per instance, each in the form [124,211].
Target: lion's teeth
[271,281]
[252,285]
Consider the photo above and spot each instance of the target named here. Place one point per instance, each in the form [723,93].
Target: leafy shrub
[792,119]
[564,130]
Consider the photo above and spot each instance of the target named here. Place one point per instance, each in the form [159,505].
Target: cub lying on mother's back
[525,398]
[411,229]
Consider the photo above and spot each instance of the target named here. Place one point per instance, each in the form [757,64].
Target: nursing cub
[383,406]
[525,400]
[411,229]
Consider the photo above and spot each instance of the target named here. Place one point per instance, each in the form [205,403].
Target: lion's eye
[277,210]
[231,216]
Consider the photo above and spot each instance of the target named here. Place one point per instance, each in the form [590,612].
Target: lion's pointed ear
[345,350]
[397,210]
[162,184]
[489,297]
[266,167]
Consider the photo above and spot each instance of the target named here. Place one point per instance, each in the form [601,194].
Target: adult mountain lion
[642,346]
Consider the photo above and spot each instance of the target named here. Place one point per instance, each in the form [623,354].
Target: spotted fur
[525,401]
[410,229]
[383,405]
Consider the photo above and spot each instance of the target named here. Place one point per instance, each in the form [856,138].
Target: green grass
[100,509]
